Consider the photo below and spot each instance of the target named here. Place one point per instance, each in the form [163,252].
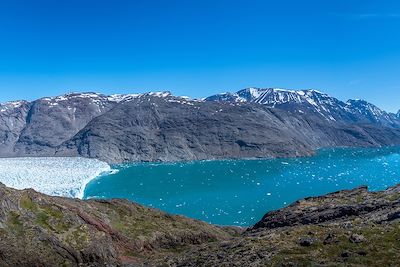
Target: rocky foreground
[351,228]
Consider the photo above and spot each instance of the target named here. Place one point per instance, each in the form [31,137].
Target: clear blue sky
[349,49]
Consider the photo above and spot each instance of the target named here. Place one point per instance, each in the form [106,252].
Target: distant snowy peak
[398,114]
[312,101]
[94,97]
[100,99]
[12,105]
[271,96]
[372,113]
[367,109]
[226,97]
[293,100]
[276,96]
[71,101]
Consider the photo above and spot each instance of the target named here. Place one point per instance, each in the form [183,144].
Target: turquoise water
[240,192]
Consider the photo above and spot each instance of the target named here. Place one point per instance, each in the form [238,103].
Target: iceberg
[56,176]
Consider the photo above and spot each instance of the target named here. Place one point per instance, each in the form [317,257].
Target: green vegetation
[78,237]
[47,216]
[380,248]
[14,222]
[27,203]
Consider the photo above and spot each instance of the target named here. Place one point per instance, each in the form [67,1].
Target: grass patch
[27,203]
[14,222]
[42,219]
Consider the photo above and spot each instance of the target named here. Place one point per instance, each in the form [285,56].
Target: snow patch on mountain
[367,109]
[11,105]
[97,97]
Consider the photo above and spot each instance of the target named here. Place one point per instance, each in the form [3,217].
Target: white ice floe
[66,177]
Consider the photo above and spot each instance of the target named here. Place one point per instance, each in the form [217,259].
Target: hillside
[39,230]
[346,228]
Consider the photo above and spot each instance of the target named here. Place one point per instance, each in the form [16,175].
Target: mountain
[168,128]
[346,228]
[312,101]
[398,114]
[370,113]
[161,127]
[30,127]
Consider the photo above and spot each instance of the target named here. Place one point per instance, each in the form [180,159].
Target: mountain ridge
[158,126]
[310,100]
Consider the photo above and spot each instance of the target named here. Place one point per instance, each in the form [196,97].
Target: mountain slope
[368,112]
[12,122]
[35,128]
[166,129]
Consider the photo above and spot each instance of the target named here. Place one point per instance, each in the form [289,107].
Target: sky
[196,48]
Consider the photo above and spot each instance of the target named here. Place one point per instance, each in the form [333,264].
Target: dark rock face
[161,127]
[51,121]
[12,122]
[356,238]
[338,206]
[36,128]
[306,241]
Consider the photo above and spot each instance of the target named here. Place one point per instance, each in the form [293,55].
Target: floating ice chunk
[66,177]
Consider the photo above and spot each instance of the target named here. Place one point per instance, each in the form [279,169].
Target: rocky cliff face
[161,127]
[346,228]
[12,122]
[51,121]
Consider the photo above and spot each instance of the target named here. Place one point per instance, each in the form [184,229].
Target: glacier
[56,176]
